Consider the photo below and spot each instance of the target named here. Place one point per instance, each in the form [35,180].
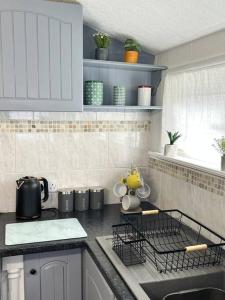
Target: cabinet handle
[33,271]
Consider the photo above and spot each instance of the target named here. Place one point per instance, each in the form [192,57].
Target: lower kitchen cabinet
[53,275]
[94,285]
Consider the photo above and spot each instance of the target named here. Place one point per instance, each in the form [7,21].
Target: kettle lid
[28,178]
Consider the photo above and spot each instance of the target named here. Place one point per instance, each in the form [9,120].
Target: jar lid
[65,191]
[96,189]
[94,81]
[145,86]
[81,190]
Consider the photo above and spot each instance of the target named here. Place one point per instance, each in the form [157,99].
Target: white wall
[203,51]
[168,191]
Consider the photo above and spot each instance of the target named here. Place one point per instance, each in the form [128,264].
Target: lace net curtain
[194,105]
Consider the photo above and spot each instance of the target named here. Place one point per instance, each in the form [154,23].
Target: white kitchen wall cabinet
[53,275]
[41,56]
[94,285]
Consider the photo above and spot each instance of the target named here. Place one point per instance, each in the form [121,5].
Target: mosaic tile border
[210,183]
[34,126]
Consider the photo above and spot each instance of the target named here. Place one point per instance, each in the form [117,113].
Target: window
[194,105]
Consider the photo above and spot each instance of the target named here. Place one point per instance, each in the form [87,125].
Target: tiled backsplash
[34,126]
[210,183]
[96,150]
[197,193]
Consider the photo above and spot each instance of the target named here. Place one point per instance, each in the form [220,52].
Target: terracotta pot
[131,57]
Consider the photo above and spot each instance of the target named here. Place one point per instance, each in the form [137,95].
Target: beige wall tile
[93,150]
[130,116]
[20,115]
[63,151]
[49,116]
[110,116]
[8,192]
[121,149]
[106,178]
[7,152]
[31,152]
[81,116]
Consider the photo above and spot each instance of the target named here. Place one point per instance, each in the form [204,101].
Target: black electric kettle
[28,197]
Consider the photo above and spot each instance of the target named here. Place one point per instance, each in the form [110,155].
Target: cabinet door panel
[7,54]
[31,56]
[53,275]
[55,58]
[95,286]
[54,280]
[41,56]
[20,54]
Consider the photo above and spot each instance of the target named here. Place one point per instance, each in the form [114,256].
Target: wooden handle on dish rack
[150,212]
[196,248]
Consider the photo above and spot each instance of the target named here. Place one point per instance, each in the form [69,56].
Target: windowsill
[187,163]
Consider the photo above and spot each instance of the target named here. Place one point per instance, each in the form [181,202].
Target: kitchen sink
[147,283]
[198,294]
[159,289]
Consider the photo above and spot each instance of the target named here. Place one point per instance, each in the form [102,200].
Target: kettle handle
[45,188]
[19,184]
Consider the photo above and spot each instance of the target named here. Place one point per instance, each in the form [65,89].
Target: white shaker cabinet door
[41,56]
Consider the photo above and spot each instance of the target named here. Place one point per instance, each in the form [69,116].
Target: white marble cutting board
[43,231]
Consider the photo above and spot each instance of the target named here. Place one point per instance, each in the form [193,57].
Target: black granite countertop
[95,223]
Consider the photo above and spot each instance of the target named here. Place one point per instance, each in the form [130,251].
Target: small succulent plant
[102,40]
[220,145]
[132,45]
[173,137]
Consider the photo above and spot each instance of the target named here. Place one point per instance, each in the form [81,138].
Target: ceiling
[157,24]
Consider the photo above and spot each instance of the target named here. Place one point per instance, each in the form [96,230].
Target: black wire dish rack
[169,238]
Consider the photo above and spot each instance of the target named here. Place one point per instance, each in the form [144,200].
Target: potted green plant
[132,49]
[102,41]
[220,147]
[171,149]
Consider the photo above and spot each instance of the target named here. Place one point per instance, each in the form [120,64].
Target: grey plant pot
[102,53]
[223,163]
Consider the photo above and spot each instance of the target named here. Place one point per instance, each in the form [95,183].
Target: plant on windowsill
[220,147]
[132,49]
[103,42]
[171,149]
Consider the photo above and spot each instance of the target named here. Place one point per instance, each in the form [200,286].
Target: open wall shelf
[122,65]
[113,73]
[114,108]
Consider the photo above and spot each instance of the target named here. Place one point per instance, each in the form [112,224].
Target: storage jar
[119,95]
[96,198]
[93,92]
[65,200]
[144,95]
[81,199]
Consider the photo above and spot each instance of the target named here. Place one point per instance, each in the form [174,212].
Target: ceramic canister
[119,95]
[65,200]
[144,95]
[93,92]
[96,198]
[81,199]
